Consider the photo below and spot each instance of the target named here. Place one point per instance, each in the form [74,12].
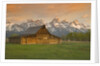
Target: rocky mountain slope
[56,27]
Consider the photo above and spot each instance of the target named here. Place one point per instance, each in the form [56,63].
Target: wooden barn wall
[40,39]
[14,40]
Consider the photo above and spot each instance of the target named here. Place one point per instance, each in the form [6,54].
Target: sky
[47,12]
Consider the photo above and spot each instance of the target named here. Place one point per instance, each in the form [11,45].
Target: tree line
[77,36]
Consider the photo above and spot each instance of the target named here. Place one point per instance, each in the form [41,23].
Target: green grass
[66,51]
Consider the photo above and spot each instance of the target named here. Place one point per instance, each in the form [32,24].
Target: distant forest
[77,36]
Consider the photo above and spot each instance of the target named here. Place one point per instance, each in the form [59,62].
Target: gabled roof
[34,30]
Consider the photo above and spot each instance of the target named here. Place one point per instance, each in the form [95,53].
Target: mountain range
[56,27]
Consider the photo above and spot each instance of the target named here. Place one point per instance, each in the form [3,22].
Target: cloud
[13,8]
[16,19]
[69,11]
[85,16]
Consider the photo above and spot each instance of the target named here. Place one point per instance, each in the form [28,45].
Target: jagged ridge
[56,27]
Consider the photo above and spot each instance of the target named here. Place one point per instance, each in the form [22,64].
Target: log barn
[36,35]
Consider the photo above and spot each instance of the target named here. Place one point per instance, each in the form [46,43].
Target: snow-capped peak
[76,22]
[56,19]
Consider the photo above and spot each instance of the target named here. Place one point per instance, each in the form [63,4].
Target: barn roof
[33,30]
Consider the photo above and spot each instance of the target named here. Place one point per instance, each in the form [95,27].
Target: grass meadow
[64,51]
